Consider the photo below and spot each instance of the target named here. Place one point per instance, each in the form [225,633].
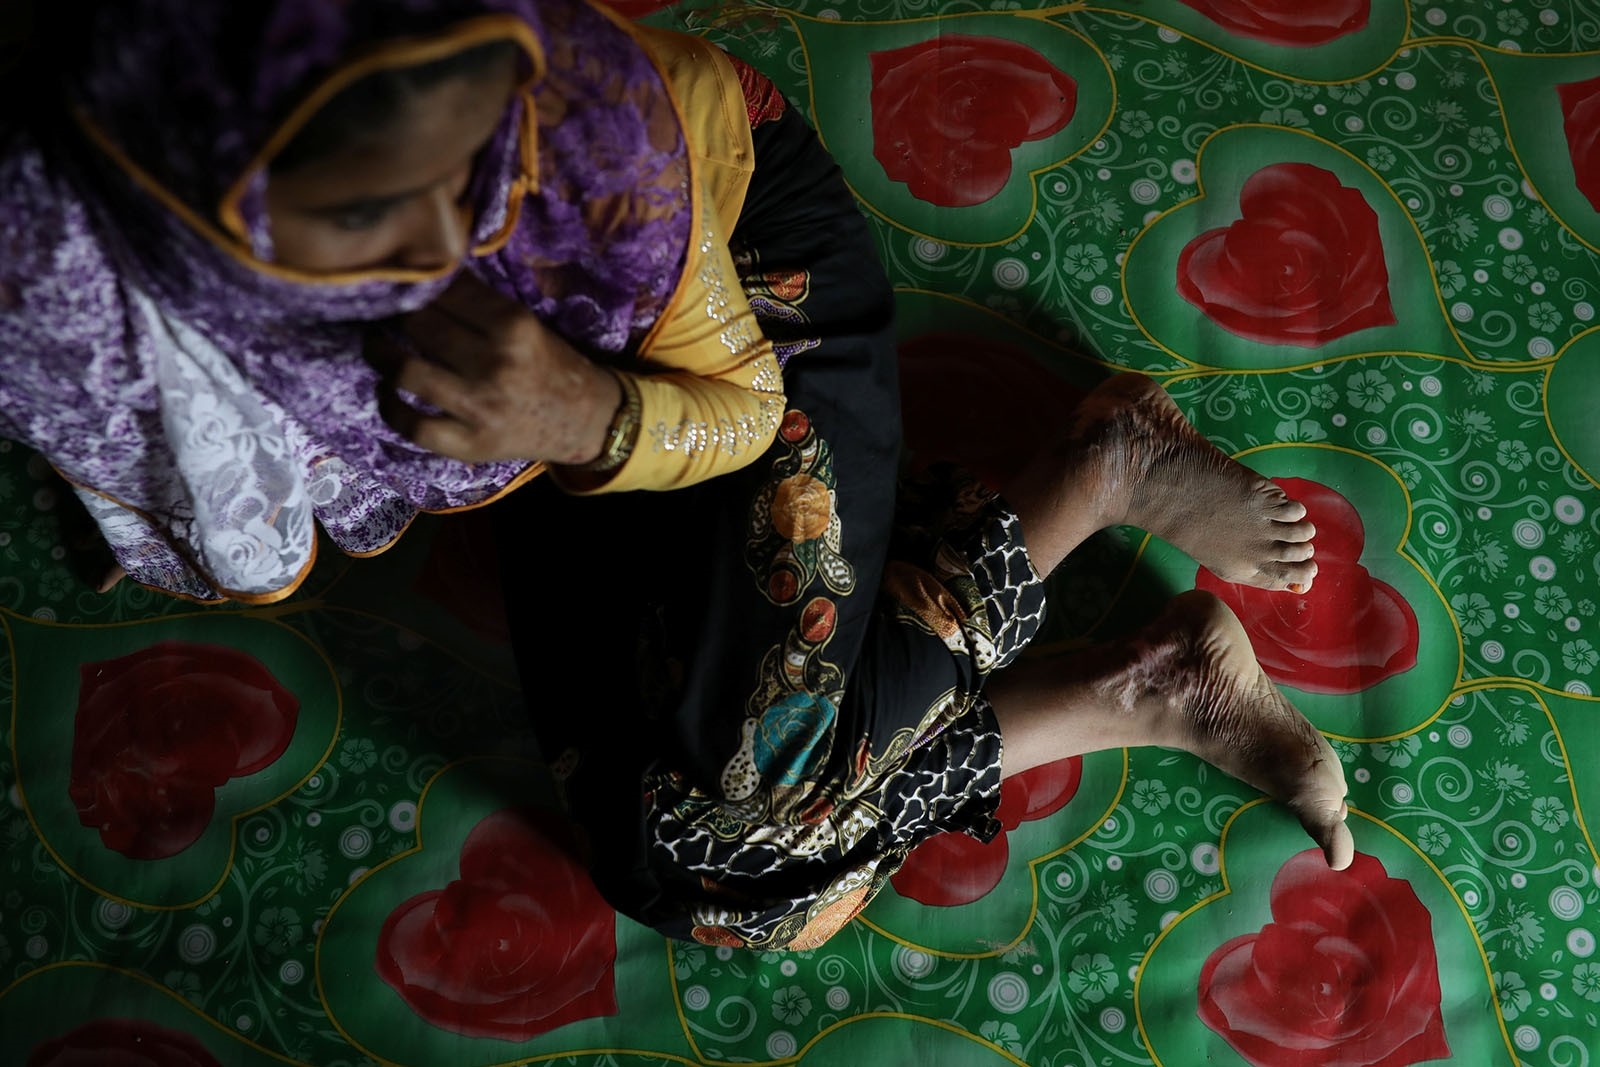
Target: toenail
[1297,588]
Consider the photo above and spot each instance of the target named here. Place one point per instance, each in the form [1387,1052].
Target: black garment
[755,714]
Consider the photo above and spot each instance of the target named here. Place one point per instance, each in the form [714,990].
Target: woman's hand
[505,385]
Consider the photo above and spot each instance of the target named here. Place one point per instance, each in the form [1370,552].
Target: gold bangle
[624,428]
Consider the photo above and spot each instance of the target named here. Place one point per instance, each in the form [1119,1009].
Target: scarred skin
[1159,474]
[1195,674]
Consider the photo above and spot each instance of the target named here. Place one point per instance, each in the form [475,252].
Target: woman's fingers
[446,426]
[442,434]
[490,381]
[438,387]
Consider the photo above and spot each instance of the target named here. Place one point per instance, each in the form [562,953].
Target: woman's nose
[438,237]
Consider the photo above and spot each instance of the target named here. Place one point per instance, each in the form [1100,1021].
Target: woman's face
[391,197]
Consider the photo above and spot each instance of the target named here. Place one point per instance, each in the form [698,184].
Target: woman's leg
[1130,457]
[1189,680]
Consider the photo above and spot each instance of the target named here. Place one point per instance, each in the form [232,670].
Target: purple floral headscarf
[213,408]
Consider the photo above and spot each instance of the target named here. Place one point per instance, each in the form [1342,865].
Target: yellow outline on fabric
[142,979]
[1399,550]
[692,257]
[546,1057]
[1549,423]
[1033,877]
[804,1050]
[1201,194]
[939,1024]
[1537,692]
[1479,46]
[181,551]
[1227,890]
[1044,14]
[1477,49]
[486,27]
[1566,759]
[1533,686]
[1504,366]
[234,820]
[995,952]
[1405,36]
[327,922]
[482,28]
[405,52]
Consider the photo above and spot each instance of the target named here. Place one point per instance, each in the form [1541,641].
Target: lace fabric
[604,241]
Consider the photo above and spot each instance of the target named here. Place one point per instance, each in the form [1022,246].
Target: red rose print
[946,113]
[983,404]
[1296,23]
[952,868]
[1038,793]
[520,944]
[1302,266]
[1580,113]
[122,1043]
[156,733]
[462,575]
[1345,975]
[1350,632]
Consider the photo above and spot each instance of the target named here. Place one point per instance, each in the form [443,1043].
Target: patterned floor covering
[1356,240]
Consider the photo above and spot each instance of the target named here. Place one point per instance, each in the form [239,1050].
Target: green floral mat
[1355,239]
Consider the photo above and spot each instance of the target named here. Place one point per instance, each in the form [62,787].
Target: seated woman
[760,691]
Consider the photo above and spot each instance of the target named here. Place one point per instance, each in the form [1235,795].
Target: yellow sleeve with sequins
[710,391]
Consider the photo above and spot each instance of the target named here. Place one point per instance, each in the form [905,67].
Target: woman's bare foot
[1188,680]
[1196,678]
[1154,470]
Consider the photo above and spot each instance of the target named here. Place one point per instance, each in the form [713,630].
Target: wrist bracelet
[623,431]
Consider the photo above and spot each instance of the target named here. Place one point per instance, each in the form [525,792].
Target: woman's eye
[362,217]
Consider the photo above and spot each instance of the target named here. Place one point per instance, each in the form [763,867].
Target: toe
[1294,531]
[1285,509]
[1333,836]
[1294,551]
[1295,576]
[1300,576]
[1322,809]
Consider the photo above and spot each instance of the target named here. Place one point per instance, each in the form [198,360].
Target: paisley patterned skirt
[760,693]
